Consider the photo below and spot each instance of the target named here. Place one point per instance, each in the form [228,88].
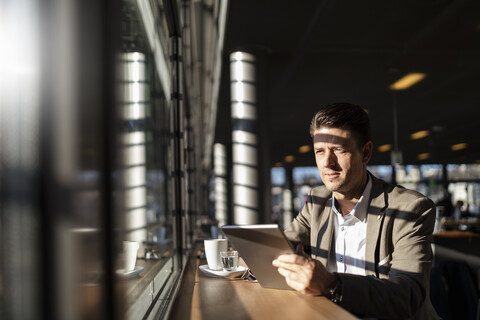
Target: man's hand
[304,274]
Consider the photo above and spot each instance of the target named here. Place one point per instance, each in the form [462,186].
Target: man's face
[342,165]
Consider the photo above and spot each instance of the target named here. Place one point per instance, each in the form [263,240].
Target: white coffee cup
[130,249]
[213,248]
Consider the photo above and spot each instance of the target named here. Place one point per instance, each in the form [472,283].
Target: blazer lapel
[326,240]
[375,217]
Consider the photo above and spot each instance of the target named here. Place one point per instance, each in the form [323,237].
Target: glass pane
[278,176]
[431,172]
[467,172]
[306,175]
[382,172]
[407,174]
[144,186]
[469,194]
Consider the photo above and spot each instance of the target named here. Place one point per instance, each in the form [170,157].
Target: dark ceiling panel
[317,52]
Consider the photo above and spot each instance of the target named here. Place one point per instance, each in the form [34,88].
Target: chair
[453,290]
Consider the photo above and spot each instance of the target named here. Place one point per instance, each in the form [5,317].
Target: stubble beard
[334,186]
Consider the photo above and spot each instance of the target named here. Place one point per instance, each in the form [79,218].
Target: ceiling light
[423,156]
[278,164]
[304,149]
[384,148]
[458,146]
[419,134]
[407,81]
[289,158]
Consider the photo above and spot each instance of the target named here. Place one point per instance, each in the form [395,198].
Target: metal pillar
[220,170]
[244,138]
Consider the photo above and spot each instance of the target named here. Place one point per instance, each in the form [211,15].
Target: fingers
[292,259]
[299,281]
[301,271]
[300,287]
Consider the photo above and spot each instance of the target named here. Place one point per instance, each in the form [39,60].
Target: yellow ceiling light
[278,164]
[419,134]
[304,149]
[423,156]
[458,146]
[289,158]
[407,81]
[384,148]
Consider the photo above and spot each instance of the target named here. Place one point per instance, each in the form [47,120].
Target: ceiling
[312,53]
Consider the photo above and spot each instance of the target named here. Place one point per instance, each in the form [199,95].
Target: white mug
[130,249]
[213,248]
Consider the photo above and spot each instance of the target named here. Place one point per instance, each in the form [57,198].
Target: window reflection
[134,146]
[145,159]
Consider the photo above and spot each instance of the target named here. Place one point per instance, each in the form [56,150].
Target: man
[370,241]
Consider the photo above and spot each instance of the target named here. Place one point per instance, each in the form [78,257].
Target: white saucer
[223,274]
[131,273]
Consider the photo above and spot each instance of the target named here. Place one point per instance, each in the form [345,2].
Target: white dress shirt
[349,239]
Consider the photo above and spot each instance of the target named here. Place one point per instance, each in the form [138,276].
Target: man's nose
[329,159]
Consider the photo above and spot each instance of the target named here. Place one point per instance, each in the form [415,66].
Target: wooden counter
[204,297]
[455,234]
[462,241]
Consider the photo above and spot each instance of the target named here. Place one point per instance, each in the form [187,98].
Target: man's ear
[367,151]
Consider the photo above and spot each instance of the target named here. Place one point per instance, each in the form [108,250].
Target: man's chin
[332,186]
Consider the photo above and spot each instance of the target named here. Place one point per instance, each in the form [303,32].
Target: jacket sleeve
[310,218]
[404,289]
[299,229]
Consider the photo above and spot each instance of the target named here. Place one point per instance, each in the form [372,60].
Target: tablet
[259,245]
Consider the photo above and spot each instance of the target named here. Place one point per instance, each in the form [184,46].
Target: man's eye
[340,150]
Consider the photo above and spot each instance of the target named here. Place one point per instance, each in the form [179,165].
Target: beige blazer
[398,254]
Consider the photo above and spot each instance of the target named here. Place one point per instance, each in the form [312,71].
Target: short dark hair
[345,116]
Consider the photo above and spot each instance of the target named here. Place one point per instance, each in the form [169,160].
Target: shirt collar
[360,209]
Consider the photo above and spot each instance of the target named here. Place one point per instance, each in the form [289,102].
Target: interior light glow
[135,71]
[239,92]
[458,146]
[238,56]
[384,148]
[135,92]
[423,156]
[238,70]
[289,158]
[305,148]
[239,110]
[407,81]
[419,134]
[278,164]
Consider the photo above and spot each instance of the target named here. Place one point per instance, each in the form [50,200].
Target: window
[87,160]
